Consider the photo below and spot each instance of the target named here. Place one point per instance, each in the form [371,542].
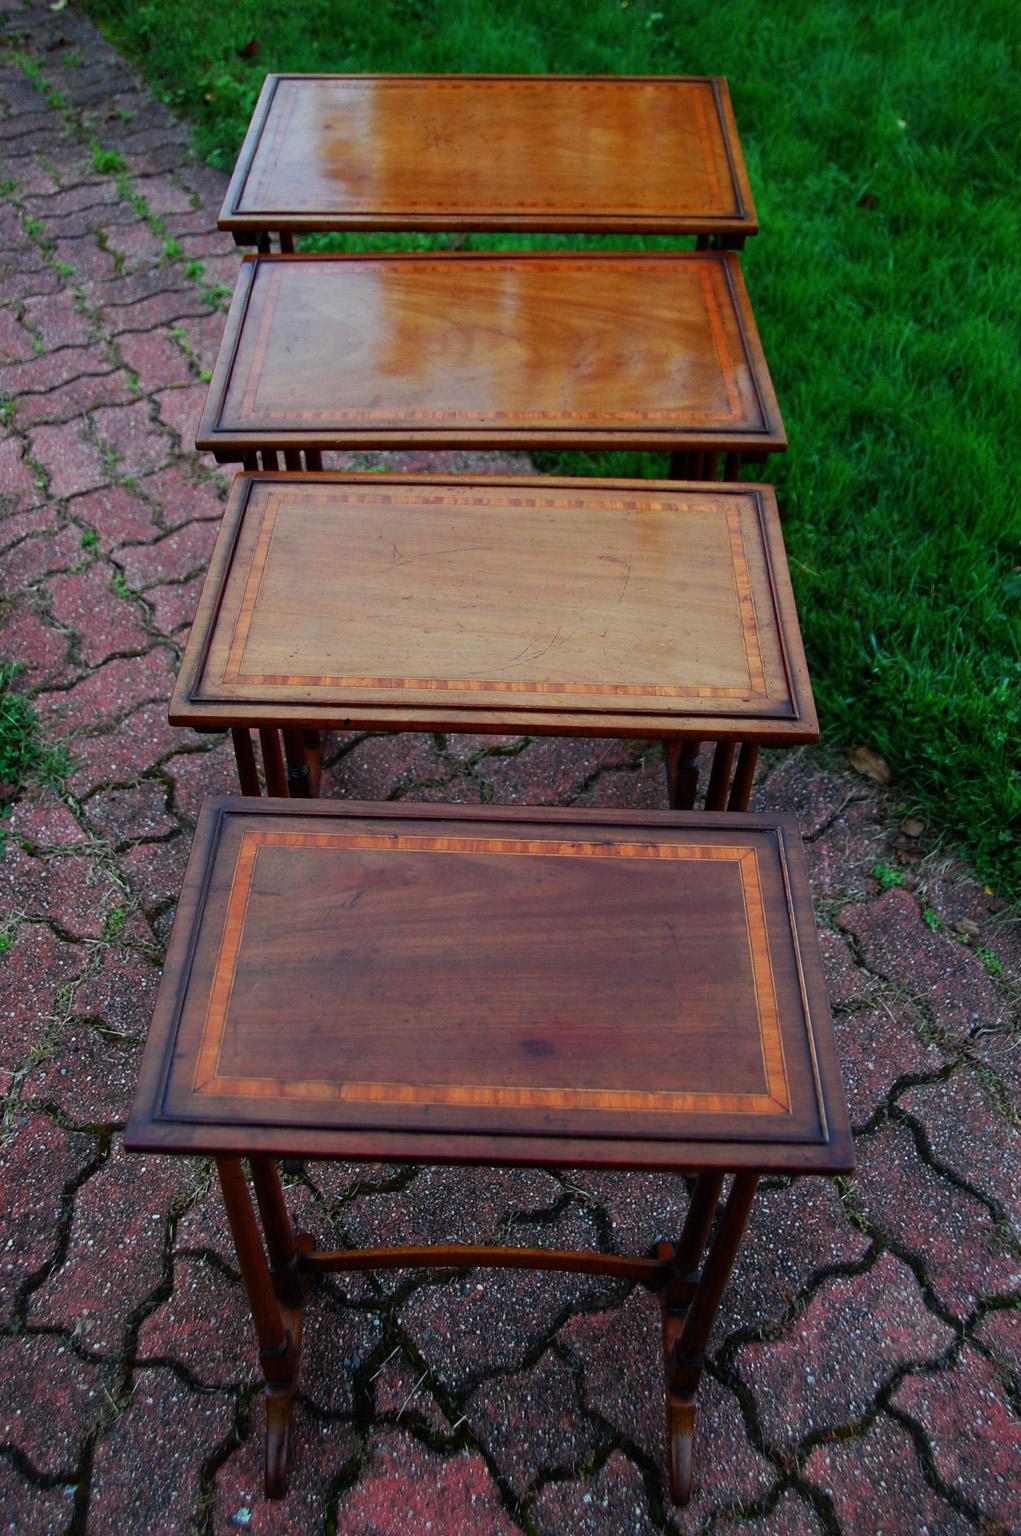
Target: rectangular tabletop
[466,350]
[552,606]
[491,152]
[444,983]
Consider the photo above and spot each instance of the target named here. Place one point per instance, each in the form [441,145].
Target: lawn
[882,143]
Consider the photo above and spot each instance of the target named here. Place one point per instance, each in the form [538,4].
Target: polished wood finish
[491,351]
[657,155]
[477,1256]
[627,608]
[618,989]
[681,1019]
[277,1309]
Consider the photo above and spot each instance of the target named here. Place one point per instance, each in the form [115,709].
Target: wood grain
[592,980]
[549,605]
[509,152]
[612,351]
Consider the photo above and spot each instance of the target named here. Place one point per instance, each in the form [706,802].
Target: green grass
[882,143]
[25,756]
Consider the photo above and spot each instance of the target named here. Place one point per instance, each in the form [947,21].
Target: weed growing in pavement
[26,757]
[989,960]
[887,877]
[113,926]
[51,94]
[108,162]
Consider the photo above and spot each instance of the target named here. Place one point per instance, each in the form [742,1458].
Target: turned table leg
[275,1296]
[299,785]
[690,1302]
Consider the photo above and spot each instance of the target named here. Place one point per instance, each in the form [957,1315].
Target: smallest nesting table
[442,985]
[624,154]
[640,609]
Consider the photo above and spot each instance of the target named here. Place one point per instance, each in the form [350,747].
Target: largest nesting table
[442,985]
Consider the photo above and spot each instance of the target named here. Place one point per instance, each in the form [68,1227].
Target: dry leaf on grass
[870,765]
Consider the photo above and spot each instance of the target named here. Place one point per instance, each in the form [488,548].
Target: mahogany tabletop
[651,155]
[448,983]
[519,604]
[635,350]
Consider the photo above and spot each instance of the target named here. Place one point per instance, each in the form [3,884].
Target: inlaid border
[273,274]
[209,1080]
[234,673]
[263,167]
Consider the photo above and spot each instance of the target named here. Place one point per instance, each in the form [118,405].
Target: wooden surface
[506,152]
[439,984]
[455,350]
[537,605]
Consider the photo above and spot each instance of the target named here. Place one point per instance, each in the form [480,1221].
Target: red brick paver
[865,1371]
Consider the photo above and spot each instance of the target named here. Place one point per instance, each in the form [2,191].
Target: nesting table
[647,155]
[438,984]
[464,350]
[541,606]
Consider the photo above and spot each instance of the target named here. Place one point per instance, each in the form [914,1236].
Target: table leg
[286,242]
[282,1246]
[682,466]
[719,777]
[741,789]
[248,774]
[277,1329]
[272,761]
[314,758]
[732,466]
[682,772]
[298,774]
[690,1304]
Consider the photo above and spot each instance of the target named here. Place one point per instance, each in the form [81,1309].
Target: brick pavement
[865,1374]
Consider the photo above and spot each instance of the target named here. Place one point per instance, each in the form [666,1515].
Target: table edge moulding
[726,223]
[510,421]
[780,713]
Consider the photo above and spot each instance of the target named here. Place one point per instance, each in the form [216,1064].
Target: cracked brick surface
[864,1374]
